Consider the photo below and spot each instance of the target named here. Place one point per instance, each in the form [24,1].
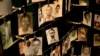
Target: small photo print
[87,18]
[38,0]
[73,35]
[56,51]
[96,40]
[25,24]
[84,2]
[6,35]
[65,45]
[82,34]
[85,51]
[98,2]
[31,47]
[52,35]
[97,21]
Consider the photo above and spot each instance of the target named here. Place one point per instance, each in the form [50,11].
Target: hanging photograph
[87,18]
[65,45]
[73,35]
[52,35]
[40,17]
[58,5]
[67,5]
[97,21]
[82,34]
[83,2]
[56,51]
[96,39]
[85,51]
[31,47]
[6,35]
[25,23]
[6,6]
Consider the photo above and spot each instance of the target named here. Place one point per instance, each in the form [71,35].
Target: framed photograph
[6,35]
[85,51]
[52,35]
[56,51]
[96,39]
[6,6]
[25,23]
[31,47]
[97,21]
[82,34]
[87,18]
[83,2]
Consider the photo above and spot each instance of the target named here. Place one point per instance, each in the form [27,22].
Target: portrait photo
[56,51]
[31,47]
[87,18]
[82,34]
[58,5]
[6,35]
[52,35]
[83,2]
[6,6]
[85,51]
[40,17]
[73,35]
[96,39]
[97,21]
[25,23]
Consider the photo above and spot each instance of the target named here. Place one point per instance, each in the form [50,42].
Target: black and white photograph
[87,18]
[83,2]
[97,21]
[82,34]
[85,51]
[25,23]
[6,6]
[52,35]
[56,51]
[6,35]
[96,39]
[40,17]
[58,5]
[31,47]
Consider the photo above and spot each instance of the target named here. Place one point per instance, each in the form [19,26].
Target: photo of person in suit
[82,34]
[96,40]
[6,35]
[85,51]
[87,18]
[52,35]
[25,24]
[97,21]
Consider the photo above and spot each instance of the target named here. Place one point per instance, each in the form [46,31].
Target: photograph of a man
[85,51]
[6,35]
[25,24]
[82,34]
[87,18]
[96,39]
[52,35]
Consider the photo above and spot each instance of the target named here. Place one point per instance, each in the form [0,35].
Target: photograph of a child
[31,47]
[85,51]
[96,39]
[25,23]
[52,35]
[6,35]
